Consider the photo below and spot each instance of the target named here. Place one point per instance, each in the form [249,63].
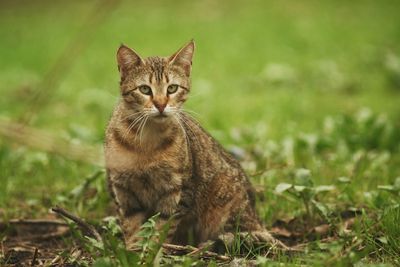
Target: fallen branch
[180,250]
[45,141]
[35,254]
[42,93]
[87,228]
[43,229]
[33,222]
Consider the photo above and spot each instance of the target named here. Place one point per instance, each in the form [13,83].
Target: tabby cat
[160,160]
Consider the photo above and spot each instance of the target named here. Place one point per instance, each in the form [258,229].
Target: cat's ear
[183,57]
[127,59]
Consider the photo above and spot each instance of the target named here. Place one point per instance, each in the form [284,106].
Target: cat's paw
[265,237]
[250,239]
[132,246]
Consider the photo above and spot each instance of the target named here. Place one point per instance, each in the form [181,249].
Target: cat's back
[208,154]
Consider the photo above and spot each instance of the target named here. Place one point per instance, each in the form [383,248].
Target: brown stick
[189,249]
[89,229]
[45,141]
[35,254]
[51,80]
[33,222]
[55,260]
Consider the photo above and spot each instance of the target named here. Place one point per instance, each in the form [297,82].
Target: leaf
[127,258]
[103,262]
[282,187]
[387,187]
[148,224]
[112,225]
[147,233]
[344,180]
[303,177]
[383,239]
[322,229]
[322,209]
[299,188]
[158,257]
[95,243]
[324,188]
[397,183]
[261,261]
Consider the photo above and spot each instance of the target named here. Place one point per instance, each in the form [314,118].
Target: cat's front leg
[130,227]
[131,214]
[171,215]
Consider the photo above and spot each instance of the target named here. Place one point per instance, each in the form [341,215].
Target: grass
[292,86]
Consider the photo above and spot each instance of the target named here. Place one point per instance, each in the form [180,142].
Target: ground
[305,94]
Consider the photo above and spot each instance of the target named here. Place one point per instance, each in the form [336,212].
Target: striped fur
[167,163]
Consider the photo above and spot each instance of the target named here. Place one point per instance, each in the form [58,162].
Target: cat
[160,160]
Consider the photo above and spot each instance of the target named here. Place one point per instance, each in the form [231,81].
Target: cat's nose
[160,106]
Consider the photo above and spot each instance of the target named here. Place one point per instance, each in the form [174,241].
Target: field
[305,93]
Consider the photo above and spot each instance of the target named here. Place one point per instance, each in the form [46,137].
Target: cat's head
[155,86]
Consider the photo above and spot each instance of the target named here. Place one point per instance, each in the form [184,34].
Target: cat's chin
[161,117]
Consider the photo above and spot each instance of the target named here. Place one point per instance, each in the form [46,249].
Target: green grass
[313,85]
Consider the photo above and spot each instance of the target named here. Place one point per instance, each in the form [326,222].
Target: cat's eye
[172,88]
[144,89]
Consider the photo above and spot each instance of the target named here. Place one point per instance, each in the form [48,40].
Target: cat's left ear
[183,57]
[127,59]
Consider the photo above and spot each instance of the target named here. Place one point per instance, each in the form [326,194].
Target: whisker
[190,111]
[189,116]
[190,131]
[142,121]
[141,131]
[130,115]
[132,124]
[183,129]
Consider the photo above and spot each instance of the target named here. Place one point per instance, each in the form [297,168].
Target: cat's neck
[147,135]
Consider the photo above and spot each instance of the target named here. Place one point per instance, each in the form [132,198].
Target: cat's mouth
[161,116]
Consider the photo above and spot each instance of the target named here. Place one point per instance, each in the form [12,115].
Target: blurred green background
[276,68]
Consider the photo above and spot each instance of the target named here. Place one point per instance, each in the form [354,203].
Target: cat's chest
[157,187]
[166,166]
[172,157]
[155,178]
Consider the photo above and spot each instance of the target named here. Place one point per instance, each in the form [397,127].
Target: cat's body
[160,160]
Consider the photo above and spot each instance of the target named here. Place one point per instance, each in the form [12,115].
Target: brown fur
[171,165]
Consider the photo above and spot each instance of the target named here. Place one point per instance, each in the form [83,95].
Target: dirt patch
[50,242]
[35,243]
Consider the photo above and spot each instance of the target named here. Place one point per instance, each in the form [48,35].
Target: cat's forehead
[156,67]
[156,62]
[157,70]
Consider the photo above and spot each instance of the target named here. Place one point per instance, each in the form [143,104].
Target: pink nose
[160,107]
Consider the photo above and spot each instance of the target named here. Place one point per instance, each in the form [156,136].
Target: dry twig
[181,250]
[98,14]
[43,140]
[87,228]
[35,254]
[32,222]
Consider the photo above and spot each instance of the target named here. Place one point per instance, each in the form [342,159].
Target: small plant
[304,189]
[111,248]
[151,240]
[391,229]
[241,244]
[90,194]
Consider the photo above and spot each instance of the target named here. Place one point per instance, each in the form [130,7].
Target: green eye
[172,88]
[144,89]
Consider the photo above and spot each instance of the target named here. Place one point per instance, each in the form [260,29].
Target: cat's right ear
[183,57]
[127,59]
